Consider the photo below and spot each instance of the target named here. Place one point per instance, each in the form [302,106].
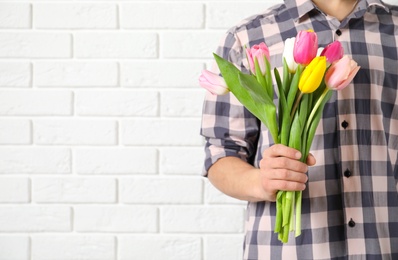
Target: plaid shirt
[350,205]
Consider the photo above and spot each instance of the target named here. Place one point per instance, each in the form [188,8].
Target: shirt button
[347,173]
[344,124]
[338,32]
[351,223]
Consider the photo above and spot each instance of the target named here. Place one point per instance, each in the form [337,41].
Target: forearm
[237,179]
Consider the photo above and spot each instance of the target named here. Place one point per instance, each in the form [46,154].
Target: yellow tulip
[312,75]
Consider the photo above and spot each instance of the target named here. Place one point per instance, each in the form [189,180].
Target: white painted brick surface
[157,190]
[75,16]
[74,190]
[158,248]
[15,15]
[14,190]
[75,74]
[143,103]
[35,45]
[73,247]
[15,74]
[122,219]
[115,45]
[35,160]
[35,219]
[192,45]
[116,161]
[74,132]
[200,219]
[181,103]
[100,110]
[181,160]
[174,132]
[14,247]
[35,103]
[224,247]
[181,74]
[15,131]
[155,15]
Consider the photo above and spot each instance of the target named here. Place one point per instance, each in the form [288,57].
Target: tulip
[312,75]
[305,47]
[333,52]
[288,54]
[258,52]
[213,83]
[341,73]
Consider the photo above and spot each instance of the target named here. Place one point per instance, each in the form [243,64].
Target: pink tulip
[341,73]
[258,52]
[305,47]
[213,83]
[333,52]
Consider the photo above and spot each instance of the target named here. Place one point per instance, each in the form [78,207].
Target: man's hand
[281,169]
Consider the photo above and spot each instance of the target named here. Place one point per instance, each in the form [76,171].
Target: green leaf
[262,106]
[250,94]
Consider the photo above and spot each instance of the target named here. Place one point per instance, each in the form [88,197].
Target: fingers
[282,170]
[311,161]
[279,150]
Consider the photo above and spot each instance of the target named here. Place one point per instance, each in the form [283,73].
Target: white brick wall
[100,153]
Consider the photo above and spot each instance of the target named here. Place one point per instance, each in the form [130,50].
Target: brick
[117,103]
[75,74]
[14,247]
[181,160]
[73,247]
[75,16]
[14,190]
[182,103]
[173,132]
[35,103]
[160,247]
[116,161]
[115,45]
[199,44]
[35,219]
[15,131]
[223,15]
[15,15]
[224,247]
[162,15]
[74,190]
[35,45]
[15,74]
[214,196]
[35,160]
[157,190]
[75,132]
[160,73]
[116,219]
[199,219]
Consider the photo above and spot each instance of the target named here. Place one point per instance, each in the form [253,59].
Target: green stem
[315,108]
[298,213]
[296,105]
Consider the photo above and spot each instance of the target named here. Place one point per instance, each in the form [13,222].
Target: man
[349,184]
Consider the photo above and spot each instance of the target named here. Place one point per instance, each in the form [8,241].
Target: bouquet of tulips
[310,75]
